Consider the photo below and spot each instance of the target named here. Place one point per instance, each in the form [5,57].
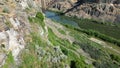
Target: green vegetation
[62,31]
[114,57]
[104,30]
[57,41]
[8,24]
[6,10]
[38,19]
[69,50]
[27,9]
[9,61]
[29,56]
[102,27]
[108,30]
[101,36]
[38,51]
[99,55]
[95,50]
[97,34]
[40,16]
[33,58]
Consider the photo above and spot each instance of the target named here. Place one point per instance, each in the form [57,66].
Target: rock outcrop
[14,26]
[103,10]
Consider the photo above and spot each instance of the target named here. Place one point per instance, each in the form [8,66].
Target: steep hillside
[30,40]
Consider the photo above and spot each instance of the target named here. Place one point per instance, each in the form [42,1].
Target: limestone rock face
[62,6]
[104,10]
[14,27]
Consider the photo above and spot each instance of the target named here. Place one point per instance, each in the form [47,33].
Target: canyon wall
[103,10]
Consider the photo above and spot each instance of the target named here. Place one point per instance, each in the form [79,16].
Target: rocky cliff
[14,27]
[102,10]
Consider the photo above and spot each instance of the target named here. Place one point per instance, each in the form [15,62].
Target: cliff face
[109,1]
[104,10]
[14,27]
[101,1]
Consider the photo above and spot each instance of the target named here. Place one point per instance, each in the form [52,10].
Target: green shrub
[62,31]
[9,61]
[94,52]
[40,16]
[105,64]
[6,10]
[101,57]
[30,19]
[39,19]
[114,57]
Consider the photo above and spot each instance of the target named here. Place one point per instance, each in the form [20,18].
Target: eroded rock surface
[14,27]
[103,10]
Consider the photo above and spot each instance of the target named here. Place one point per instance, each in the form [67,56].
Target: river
[112,31]
[54,16]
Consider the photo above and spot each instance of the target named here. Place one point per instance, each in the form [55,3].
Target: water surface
[58,18]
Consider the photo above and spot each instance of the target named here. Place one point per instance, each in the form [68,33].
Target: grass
[39,19]
[96,34]
[114,57]
[98,53]
[112,31]
[108,29]
[57,41]
[9,61]
[62,31]
[101,36]
[8,24]
[68,49]
[93,49]
[30,57]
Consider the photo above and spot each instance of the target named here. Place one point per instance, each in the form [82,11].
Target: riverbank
[106,32]
[112,30]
